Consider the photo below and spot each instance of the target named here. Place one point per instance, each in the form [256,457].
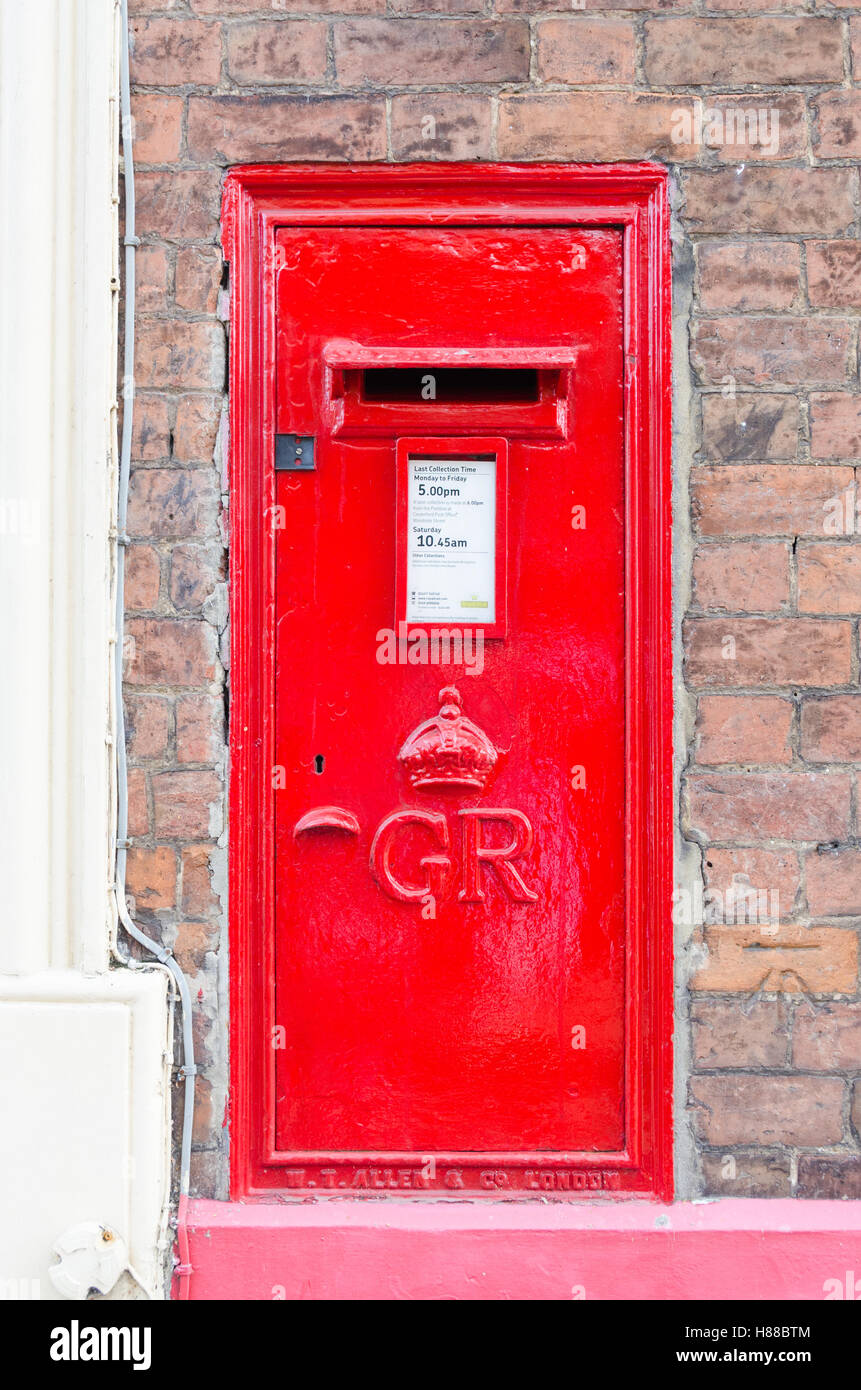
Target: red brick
[177,353]
[739,128]
[151,878]
[735,1035]
[151,278]
[204,1027]
[253,128]
[769,871]
[748,126]
[186,804]
[834,274]
[537,6]
[438,125]
[194,572]
[204,1113]
[194,941]
[746,1174]
[747,6]
[199,729]
[412,52]
[742,576]
[192,959]
[855,1112]
[198,279]
[744,729]
[589,125]
[807,806]
[831,729]
[438,6]
[138,809]
[760,351]
[794,960]
[834,882]
[150,429]
[839,124]
[748,275]
[767,652]
[197,423]
[586,51]
[829,1179]
[829,578]
[147,726]
[759,199]
[157,129]
[741,1109]
[172,51]
[233,7]
[835,425]
[765,499]
[827,1038]
[170,651]
[141,577]
[173,502]
[749,426]
[702,52]
[206,1174]
[290,50]
[198,897]
[178,203]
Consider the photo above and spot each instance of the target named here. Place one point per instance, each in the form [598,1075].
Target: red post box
[450,709]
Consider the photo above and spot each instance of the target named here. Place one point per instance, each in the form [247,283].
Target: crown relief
[448,750]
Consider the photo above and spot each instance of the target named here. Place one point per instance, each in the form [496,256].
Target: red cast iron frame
[258,200]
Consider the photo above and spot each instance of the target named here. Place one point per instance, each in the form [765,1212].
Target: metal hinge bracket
[294,453]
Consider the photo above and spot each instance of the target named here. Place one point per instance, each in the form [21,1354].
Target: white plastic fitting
[89,1256]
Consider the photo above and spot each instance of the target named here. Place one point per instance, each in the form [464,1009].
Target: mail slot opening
[448,385]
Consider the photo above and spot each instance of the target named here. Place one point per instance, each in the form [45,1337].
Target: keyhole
[319,763]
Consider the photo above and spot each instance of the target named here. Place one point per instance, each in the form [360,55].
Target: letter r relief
[498,857]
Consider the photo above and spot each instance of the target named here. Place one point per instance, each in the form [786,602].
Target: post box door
[450,957]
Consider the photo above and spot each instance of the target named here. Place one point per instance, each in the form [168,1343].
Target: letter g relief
[436,866]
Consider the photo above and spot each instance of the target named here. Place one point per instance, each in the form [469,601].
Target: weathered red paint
[421,1052]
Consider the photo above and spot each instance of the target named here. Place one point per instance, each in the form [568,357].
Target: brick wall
[753,105]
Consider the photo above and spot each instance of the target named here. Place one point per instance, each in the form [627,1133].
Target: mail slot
[447,384]
[451,956]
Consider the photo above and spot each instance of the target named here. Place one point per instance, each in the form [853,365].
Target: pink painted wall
[354,1250]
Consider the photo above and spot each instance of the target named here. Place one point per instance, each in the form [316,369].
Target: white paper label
[451,541]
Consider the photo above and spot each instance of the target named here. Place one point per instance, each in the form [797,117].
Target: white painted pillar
[82,1047]
[56,383]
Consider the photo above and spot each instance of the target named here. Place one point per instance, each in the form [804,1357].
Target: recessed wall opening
[458,883]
